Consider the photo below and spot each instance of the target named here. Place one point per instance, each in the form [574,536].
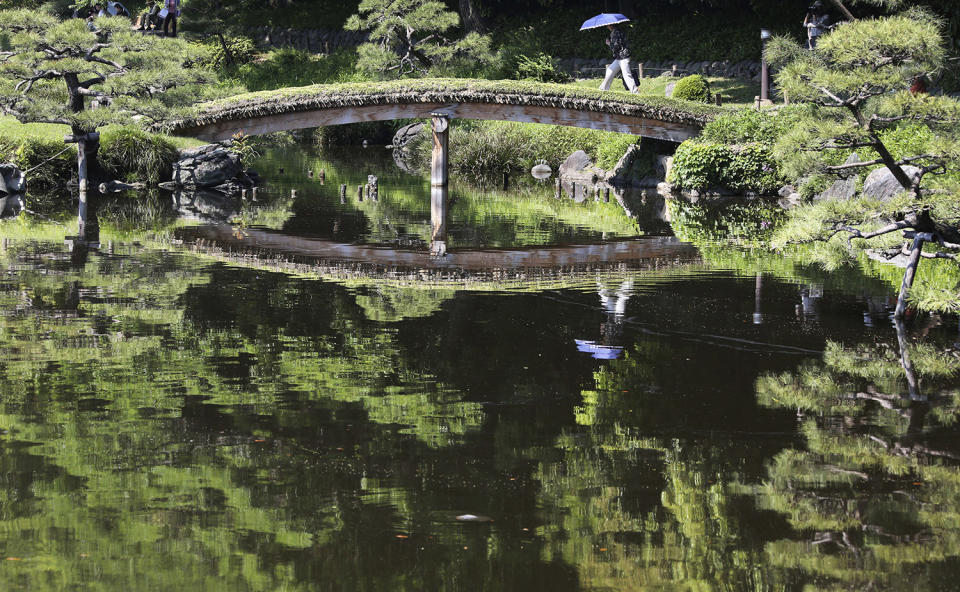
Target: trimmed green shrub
[541,68]
[692,88]
[742,168]
[134,155]
[753,169]
[484,147]
[750,125]
[698,166]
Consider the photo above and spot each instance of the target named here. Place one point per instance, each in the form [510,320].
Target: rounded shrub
[135,155]
[692,88]
[698,166]
[753,169]
[542,68]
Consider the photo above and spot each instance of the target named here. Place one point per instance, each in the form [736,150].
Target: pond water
[199,409]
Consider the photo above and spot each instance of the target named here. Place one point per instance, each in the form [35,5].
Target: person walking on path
[170,21]
[621,60]
[817,22]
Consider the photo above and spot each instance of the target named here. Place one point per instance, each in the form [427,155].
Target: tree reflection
[874,495]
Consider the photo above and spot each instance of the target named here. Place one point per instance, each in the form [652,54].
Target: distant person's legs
[628,75]
[170,26]
[612,71]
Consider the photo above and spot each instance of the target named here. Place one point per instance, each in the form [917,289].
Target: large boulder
[12,179]
[578,168]
[206,166]
[882,185]
[842,188]
[406,134]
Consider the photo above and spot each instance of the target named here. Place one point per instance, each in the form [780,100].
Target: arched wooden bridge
[335,104]
[441,100]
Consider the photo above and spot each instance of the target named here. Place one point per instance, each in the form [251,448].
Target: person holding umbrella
[617,42]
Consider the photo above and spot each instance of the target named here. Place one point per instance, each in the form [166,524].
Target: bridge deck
[321,105]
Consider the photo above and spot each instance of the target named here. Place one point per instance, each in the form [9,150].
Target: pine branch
[29,82]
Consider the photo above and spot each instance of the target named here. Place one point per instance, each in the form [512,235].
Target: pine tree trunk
[912,262]
[470,16]
[226,50]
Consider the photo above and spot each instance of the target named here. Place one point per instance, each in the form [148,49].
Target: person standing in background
[170,21]
[817,22]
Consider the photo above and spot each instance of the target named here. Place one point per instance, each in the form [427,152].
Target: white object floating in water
[473,518]
[541,171]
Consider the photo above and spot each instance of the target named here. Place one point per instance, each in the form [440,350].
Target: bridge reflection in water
[294,253]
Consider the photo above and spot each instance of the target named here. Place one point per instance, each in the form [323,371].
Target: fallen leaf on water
[13,559]
[402,536]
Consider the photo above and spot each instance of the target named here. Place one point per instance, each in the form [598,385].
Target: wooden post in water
[506,180]
[440,124]
[254,191]
[606,195]
[558,189]
[373,186]
[359,192]
[343,193]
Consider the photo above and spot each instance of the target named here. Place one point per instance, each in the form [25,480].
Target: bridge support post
[440,124]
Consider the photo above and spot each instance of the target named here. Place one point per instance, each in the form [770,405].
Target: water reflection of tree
[633,508]
[875,495]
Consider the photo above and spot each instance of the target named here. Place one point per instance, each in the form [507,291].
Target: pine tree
[90,74]
[410,37]
[858,83]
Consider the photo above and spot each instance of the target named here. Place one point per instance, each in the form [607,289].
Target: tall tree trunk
[470,16]
[226,49]
[89,172]
[843,9]
[912,262]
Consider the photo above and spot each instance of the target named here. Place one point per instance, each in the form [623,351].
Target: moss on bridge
[449,90]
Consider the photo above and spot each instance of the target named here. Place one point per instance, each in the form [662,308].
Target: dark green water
[183,418]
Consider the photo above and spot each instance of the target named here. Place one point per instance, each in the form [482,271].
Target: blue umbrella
[602,20]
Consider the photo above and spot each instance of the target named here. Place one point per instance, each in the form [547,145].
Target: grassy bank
[126,153]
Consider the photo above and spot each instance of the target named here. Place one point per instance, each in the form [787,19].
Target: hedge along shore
[448,90]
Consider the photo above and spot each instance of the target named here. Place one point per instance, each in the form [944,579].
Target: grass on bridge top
[451,90]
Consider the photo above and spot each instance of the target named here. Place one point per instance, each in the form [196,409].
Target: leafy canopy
[411,38]
[858,82]
[84,76]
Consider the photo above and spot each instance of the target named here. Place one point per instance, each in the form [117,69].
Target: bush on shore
[126,153]
[489,147]
[735,151]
